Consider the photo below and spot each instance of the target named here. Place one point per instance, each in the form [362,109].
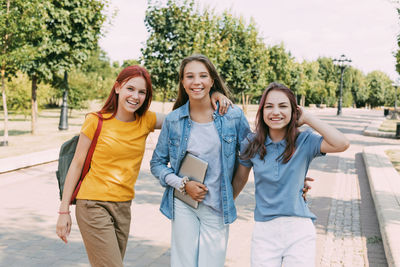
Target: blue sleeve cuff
[246,163]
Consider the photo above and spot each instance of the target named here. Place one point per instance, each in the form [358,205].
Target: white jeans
[199,237]
[287,241]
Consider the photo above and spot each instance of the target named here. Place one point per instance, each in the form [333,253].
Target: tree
[312,87]
[378,83]
[397,55]
[17,25]
[295,80]
[245,64]
[354,83]
[330,77]
[69,31]
[76,27]
[171,37]
[92,80]
[279,61]
[178,30]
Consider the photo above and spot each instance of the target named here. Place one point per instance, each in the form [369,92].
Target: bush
[19,93]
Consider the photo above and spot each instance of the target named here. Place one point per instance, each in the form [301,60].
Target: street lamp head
[342,62]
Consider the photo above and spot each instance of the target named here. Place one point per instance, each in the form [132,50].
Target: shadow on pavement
[148,189]
[384,142]
[27,248]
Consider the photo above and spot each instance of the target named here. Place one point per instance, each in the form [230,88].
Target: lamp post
[394,114]
[342,64]
[63,125]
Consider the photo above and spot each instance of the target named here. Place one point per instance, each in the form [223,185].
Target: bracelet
[64,212]
[184,181]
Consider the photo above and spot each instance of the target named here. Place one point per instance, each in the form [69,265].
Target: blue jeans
[199,237]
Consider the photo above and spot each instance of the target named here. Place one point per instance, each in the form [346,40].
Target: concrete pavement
[348,231]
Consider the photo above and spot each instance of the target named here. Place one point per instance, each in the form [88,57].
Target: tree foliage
[179,29]
[378,84]
[279,61]
[69,30]
[245,65]
[354,84]
[46,38]
[172,30]
[18,23]
[16,28]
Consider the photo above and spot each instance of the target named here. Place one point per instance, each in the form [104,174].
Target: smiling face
[131,96]
[277,111]
[197,81]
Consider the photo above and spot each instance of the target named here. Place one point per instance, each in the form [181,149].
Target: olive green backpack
[67,152]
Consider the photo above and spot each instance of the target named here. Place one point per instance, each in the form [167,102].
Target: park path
[347,227]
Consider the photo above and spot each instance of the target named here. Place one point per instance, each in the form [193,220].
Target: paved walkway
[347,227]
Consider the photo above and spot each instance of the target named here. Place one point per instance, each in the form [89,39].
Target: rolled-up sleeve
[244,127]
[243,146]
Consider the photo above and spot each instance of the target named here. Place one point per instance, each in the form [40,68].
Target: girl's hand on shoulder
[63,227]
[197,191]
[224,102]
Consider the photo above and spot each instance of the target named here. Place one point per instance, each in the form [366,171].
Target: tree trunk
[302,100]
[3,92]
[3,86]
[163,100]
[34,104]
[244,104]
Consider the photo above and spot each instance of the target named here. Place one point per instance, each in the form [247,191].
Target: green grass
[388,126]
[14,132]
[394,157]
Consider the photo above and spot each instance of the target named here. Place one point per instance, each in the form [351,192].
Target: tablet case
[195,169]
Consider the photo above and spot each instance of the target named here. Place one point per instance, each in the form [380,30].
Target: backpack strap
[88,160]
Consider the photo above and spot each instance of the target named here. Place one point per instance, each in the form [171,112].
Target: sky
[364,30]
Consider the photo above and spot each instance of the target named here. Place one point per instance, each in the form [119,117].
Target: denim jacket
[171,148]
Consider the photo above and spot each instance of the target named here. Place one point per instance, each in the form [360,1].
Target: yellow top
[117,157]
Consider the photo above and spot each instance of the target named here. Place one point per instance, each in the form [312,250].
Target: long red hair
[111,104]
[257,144]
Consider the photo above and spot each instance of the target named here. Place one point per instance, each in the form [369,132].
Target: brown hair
[257,144]
[219,84]
[111,104]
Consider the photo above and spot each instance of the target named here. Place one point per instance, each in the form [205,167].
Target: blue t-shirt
[279,186]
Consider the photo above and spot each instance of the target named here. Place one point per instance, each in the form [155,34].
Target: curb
[385,189]
[372,130]
[28,160]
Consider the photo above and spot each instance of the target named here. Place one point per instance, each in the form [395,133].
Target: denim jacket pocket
[229,145]
[173,146]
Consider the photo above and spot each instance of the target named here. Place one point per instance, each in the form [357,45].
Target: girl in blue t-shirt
[280,156]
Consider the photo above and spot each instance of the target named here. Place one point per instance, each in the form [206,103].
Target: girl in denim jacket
[199,236]
[280,156]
